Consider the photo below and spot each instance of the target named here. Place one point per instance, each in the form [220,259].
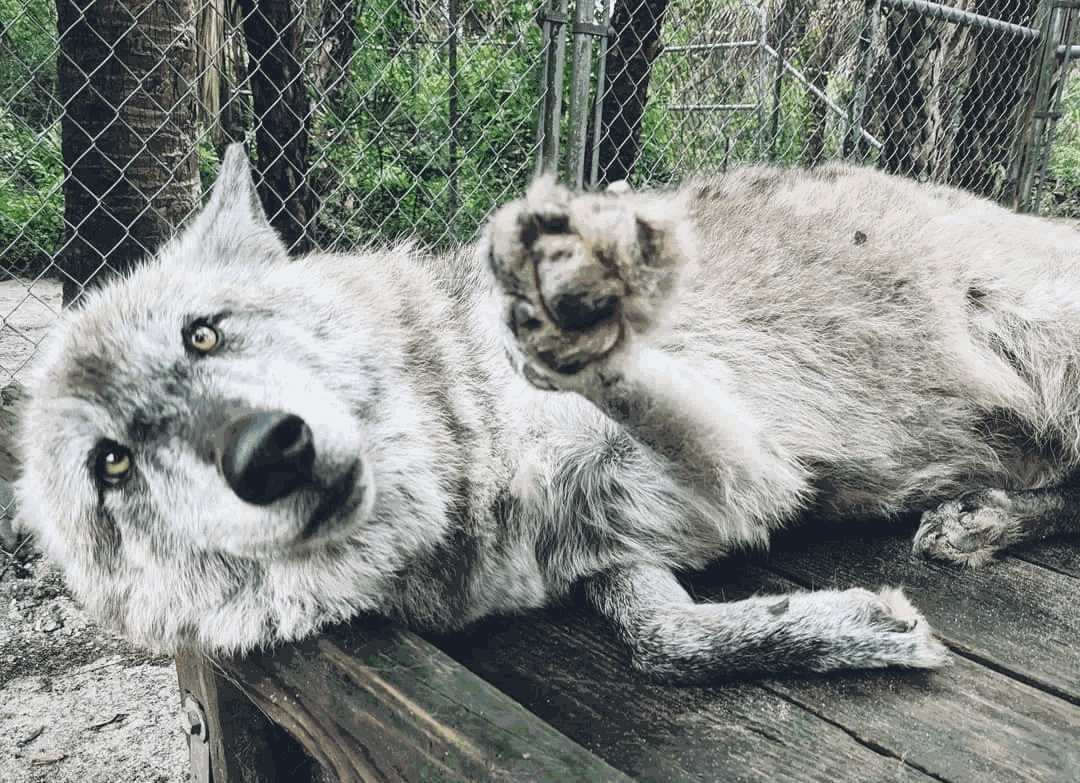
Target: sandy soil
[76,703]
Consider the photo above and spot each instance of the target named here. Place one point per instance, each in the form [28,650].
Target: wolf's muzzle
[265,456]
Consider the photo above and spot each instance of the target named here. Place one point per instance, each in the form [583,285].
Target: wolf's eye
[113,463]
[204,338]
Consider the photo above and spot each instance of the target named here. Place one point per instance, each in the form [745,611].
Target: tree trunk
[990,114]
[819,63]
[635,45]
[274,31]
[909,39]
[210,44]
[235,119]
[126,75]
[337,43]
[929,64]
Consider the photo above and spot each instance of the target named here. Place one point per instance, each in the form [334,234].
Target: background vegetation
[387,158]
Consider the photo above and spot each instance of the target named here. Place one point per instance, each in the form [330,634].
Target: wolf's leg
[672,638]
[973,528]
[586,278]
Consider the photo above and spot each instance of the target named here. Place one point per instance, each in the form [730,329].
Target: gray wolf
[229,447]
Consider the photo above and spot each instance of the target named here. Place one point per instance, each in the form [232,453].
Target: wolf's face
[203,441]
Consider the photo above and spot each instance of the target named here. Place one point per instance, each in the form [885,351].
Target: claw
[523,317]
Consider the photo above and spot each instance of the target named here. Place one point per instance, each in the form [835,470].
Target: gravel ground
[76,702]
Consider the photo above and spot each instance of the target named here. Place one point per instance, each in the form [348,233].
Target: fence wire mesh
[376,119]
[964,93]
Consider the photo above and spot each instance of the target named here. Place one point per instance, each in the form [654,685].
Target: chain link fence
[966,93]
[371,120]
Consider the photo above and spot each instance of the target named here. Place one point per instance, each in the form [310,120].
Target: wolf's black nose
[266,456]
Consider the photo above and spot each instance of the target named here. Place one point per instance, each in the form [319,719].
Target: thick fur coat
[606,390]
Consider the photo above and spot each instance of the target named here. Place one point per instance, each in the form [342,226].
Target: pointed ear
[234,193]
[233,215]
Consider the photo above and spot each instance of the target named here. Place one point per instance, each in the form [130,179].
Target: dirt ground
[76,702]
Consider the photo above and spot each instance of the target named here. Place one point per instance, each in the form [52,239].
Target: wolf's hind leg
[673,639]
[973,528]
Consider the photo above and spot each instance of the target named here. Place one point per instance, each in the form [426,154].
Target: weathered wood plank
[245,747]
[966,723]
[575,676]
[1014,615]
[380,704]
[1060,554]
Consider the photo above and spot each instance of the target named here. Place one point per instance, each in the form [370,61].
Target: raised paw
[968,531]
[578,271]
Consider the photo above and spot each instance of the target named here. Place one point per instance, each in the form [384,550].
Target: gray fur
[974,528]
[689,371]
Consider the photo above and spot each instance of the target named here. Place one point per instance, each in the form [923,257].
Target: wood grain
[574,675]
[966,723]
[245,747]
[380,704]
[1059,554]
[1014,615]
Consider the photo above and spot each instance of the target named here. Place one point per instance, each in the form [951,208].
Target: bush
[31,201]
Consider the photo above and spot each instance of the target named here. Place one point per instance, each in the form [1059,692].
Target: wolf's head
[215,448]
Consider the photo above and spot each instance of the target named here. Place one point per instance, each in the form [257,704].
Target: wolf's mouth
[336,497]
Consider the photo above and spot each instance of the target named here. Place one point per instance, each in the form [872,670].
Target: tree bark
[635,45]
[947,101]
[990,115]
[210,60]
[819,63]
[235,119]
[126,75]
[337,42]
[274,31]
[909,39]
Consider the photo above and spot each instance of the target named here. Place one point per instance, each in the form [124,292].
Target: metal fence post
[598,96]
[1022,168]
[761,84]
[553,18]
[582,32]
[1055,21]
[453,196]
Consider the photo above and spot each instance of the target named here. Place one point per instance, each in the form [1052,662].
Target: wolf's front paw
[880,629]
[967,531]
[578,271]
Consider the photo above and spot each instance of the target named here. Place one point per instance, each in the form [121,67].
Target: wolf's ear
[234,194]
[233,216]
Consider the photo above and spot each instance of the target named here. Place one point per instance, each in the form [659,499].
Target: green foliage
[28,61]
[380,151]
[31,202]
[380,155]
[208,164]
[31,171]
[1061,191]
[710,109]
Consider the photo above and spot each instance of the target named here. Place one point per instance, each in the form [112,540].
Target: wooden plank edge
[383,704]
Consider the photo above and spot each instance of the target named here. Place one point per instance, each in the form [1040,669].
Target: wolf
[230,448]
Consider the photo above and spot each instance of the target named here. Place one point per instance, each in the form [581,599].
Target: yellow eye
[204,338]
[113,464]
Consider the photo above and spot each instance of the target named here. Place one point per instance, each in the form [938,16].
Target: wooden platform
[550,697]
